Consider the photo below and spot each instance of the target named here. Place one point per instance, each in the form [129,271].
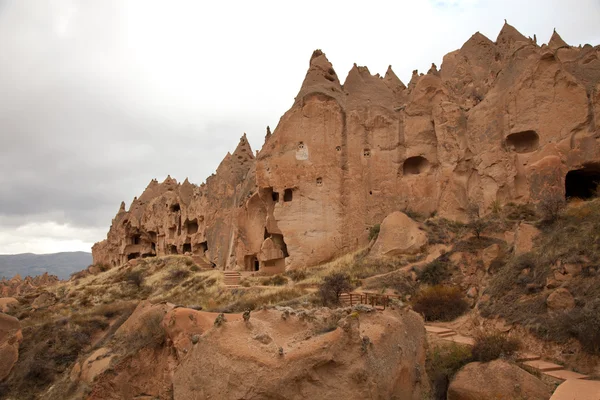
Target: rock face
[504,121]
[363,358]
[10,337]
[496,380]
[399,235]
[301,354]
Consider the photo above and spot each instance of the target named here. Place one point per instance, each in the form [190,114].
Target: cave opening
[175,207]
[136,239]
[523,142]
[192,227]
[187,248]
[287,195]
[583,183]
[415,165]
[173,249]
[203,246]
[133,256]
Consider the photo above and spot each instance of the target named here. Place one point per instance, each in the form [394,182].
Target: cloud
[100,97]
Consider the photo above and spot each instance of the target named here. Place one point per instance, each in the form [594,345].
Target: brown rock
[560,299]
[499,122]
[524,236]
[399,235]
[496,380]
[336,363]
[10,337]
[7,303]
[44,300]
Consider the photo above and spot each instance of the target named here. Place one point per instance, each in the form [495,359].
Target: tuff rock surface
[501,121]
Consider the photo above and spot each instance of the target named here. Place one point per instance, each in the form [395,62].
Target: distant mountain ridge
[60,264]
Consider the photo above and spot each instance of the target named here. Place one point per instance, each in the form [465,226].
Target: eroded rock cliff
[504,121]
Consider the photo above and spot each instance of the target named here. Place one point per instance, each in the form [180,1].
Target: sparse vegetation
[551,205]
[374,231]
[491,346]
[440,303]
[275,280]
[135,277]
[442,363]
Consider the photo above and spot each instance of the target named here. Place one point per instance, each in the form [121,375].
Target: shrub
[275,280]
[551,206]
[135,277]
[435,272]
[440,303]
[333,286]
[491,346]
[296,275]
[194,268]
[374,231]
[177,275]
[442,363]
[583,323]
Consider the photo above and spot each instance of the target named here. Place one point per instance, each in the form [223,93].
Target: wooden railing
[376,300]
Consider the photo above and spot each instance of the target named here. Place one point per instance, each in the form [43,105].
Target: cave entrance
[252,263]
[187,248]
[192,227]
[133,256]
[523,142]
[172,249]
[415,165]
[583,183]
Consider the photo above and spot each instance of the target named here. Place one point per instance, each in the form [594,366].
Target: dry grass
[491,346]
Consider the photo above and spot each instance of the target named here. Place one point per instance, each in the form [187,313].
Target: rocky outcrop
[501,121]
[10,338]
[399,235]
[17,286]
[286,353]
[269,357]
[496,380]
[8,303]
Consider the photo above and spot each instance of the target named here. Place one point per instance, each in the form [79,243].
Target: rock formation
[17,286]
[10,337]
[363,356]
[504,121]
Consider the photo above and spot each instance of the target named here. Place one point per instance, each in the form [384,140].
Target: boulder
[269,357]
[399,234]
[496,380]
[10,337]
[524,237]
[44,300]
[560,299]
[7,303]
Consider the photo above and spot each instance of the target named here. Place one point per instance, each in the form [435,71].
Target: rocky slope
[501,121]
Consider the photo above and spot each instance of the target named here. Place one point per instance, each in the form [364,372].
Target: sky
[98,97]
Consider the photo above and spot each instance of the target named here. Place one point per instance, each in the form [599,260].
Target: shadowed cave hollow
[583,183]
[415,165]
[523,142]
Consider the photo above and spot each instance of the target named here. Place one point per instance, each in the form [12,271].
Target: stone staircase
[532,361]
[231,279]
[202,262]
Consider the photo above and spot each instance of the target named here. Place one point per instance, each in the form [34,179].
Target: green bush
[440,303]
[491,346]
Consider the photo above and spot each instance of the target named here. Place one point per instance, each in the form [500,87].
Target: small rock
[559,300]
[195,339]
[472,293]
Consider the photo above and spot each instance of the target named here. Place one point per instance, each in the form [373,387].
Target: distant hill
[60,264]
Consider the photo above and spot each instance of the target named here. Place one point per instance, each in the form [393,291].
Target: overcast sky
[98,97]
